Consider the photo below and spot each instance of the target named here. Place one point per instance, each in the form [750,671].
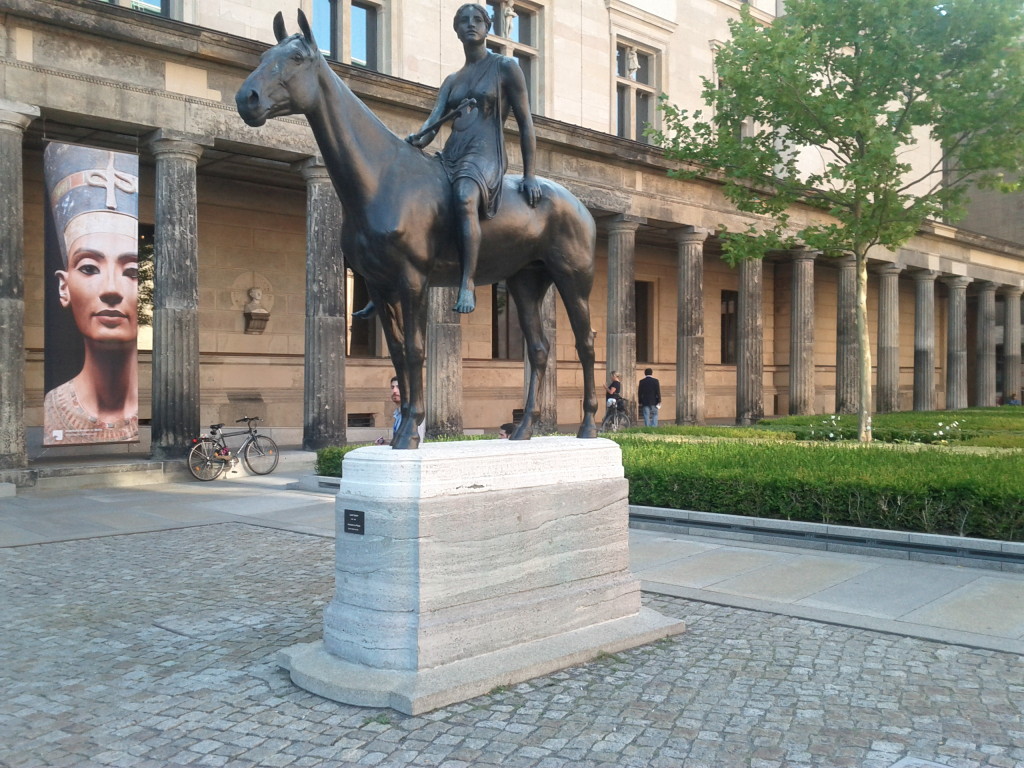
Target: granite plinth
[462,566]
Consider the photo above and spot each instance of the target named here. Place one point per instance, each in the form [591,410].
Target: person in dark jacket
[648,395]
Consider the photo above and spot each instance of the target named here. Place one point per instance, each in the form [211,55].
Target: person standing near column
[648,393]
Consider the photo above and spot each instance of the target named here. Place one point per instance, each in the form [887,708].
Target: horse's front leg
[414,327]
[390,314]
[528,289]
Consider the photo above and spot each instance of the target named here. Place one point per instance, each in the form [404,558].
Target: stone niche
[464,566]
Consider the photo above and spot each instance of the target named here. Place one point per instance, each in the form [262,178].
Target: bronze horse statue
[398,229]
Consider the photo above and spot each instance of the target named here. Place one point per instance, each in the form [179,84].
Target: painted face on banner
[101,286]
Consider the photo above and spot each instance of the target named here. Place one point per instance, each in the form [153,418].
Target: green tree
[862,81]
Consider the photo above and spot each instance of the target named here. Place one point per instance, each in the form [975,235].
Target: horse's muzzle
[247,101]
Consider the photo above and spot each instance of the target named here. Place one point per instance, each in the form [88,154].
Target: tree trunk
[864,345]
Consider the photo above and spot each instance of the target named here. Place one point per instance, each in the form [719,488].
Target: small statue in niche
[256,316]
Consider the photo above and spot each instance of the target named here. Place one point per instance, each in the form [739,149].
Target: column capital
[15,116]
[1011,291]
[690,235]
[886,269]
[986,286]
[625,222]
[165,142]
[924,275]
[959,282]
[313,169]
[803,253]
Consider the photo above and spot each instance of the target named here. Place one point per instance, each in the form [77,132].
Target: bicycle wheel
[203,462]
[622,421]
[260,455]
[607,424]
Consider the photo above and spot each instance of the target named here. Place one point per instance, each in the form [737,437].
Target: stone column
[887,395]
[444,364]
[324,420]
[175,296]
[690,325]
[750,344]
[956,343]
[924,340]
[801,333]
[14,119]
[847,376]
[985,359]
[1011,343]
[621,333]
[547,397]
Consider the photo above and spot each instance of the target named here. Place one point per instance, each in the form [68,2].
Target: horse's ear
[279,32]
[306,31]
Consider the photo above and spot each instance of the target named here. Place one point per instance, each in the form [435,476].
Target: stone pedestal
[464,566]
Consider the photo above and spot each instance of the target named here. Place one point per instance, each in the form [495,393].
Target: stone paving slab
[158,649]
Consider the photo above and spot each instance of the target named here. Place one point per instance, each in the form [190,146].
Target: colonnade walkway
[140,627]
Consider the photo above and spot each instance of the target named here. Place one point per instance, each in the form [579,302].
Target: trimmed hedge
[731,433]
[1001,426]
[932,491]
[328,460]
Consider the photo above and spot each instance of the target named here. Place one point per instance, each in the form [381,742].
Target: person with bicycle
[614,390]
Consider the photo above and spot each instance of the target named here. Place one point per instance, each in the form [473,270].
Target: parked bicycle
[210,454]
[617,417]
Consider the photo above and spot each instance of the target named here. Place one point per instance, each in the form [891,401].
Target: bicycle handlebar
[248,419]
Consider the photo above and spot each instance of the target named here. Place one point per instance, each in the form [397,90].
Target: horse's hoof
[587,432]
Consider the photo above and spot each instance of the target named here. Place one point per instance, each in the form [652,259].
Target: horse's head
[285,82]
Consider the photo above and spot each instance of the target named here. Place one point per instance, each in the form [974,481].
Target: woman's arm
[422,139]
[514,83]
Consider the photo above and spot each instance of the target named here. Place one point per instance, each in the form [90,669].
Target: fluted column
[801,333]
[690,325]
[985,358]
[1011,343]
[924,340]
[750,344]
[547,395]
[175,297]
[847,375]
[324,420]
[887,395]
[14,119]
[444,364]
[621,334]
[956,343]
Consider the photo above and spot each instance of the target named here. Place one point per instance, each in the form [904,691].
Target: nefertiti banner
[91,375]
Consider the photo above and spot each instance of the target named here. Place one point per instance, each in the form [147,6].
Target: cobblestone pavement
[158,649]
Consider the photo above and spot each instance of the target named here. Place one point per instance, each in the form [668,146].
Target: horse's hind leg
[528,288]
[574,287]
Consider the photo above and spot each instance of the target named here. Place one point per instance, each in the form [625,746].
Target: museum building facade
[231,208]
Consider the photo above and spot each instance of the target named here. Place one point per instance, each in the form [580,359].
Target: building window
[363,35]
[170,9]
[644,304]
[730,300]
[349,31]
[506,336]
[515,32]
[635,90]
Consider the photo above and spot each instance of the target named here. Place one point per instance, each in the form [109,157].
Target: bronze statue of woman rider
[479,97]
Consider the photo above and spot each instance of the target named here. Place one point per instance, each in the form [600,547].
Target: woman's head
[94,196]
[101,286]
[473,11]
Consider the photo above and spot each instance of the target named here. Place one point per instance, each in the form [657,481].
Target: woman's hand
[531,189]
